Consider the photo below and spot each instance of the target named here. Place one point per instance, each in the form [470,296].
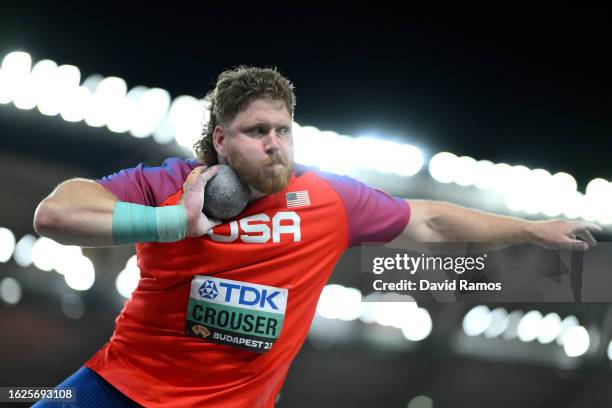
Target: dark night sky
[527,90]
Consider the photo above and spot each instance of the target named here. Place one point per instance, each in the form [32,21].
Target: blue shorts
[91,390]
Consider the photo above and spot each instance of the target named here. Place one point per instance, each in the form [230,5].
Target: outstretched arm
[82,212]
[437,221]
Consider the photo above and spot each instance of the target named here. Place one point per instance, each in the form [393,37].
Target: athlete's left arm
[437,221]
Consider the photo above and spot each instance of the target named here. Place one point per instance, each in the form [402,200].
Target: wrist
[171,223]
[139,223]
[530,232]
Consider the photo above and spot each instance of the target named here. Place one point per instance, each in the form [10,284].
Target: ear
[219,137]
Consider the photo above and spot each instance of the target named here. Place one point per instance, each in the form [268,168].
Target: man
[222,309]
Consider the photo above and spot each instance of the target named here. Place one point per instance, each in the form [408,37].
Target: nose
[271,142]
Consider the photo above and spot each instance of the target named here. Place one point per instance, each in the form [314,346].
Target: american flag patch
[297,199]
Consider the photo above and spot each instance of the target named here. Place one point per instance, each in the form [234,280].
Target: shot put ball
[225,195]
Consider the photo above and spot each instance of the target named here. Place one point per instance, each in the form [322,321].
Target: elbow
[437,222]
[46,218]
[433,232]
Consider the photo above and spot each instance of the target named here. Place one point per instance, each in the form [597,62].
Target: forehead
[267,111]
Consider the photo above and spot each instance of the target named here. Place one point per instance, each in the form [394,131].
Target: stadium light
[23,250]
[577,341]
[127,279]
[476,321]
[7,244]
[10,291]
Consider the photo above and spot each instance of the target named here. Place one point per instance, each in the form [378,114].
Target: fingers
[583,230]
[197,171]
[577,245]
[193,176]
[198,177]
[206,175]
[587,237]
[590,226]
[204,178]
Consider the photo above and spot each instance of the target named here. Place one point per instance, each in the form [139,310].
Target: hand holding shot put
[210,195]
[198,223]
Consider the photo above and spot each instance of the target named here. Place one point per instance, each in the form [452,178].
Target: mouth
[275,165]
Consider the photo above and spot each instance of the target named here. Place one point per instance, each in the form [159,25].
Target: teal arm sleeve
[139,223]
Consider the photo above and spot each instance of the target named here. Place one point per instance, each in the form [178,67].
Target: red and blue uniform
[217,320]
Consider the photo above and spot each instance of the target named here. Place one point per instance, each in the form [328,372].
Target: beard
[260,175]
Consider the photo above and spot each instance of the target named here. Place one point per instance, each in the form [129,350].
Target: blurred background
[505,114]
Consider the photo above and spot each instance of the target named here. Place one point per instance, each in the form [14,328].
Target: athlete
[223,306]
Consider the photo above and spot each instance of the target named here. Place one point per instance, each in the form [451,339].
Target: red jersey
[216,321]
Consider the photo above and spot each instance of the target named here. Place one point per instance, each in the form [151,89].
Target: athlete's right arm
[77,212]
[82,212]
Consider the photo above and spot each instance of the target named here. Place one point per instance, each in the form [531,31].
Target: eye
[257,130]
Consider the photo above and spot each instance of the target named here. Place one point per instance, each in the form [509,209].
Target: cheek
[249,148]
[240,150]
[288,150]
[249,156]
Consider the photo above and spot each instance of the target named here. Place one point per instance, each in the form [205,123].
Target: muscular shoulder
[373,215]
[149,185]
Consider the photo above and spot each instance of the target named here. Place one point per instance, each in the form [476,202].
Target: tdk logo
[249,296]
[209,290]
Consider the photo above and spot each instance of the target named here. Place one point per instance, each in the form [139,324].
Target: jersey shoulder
[149,185]
[373,215]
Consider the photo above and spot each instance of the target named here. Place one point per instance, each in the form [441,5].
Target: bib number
[235,313]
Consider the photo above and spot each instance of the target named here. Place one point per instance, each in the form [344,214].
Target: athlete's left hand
[562,234]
